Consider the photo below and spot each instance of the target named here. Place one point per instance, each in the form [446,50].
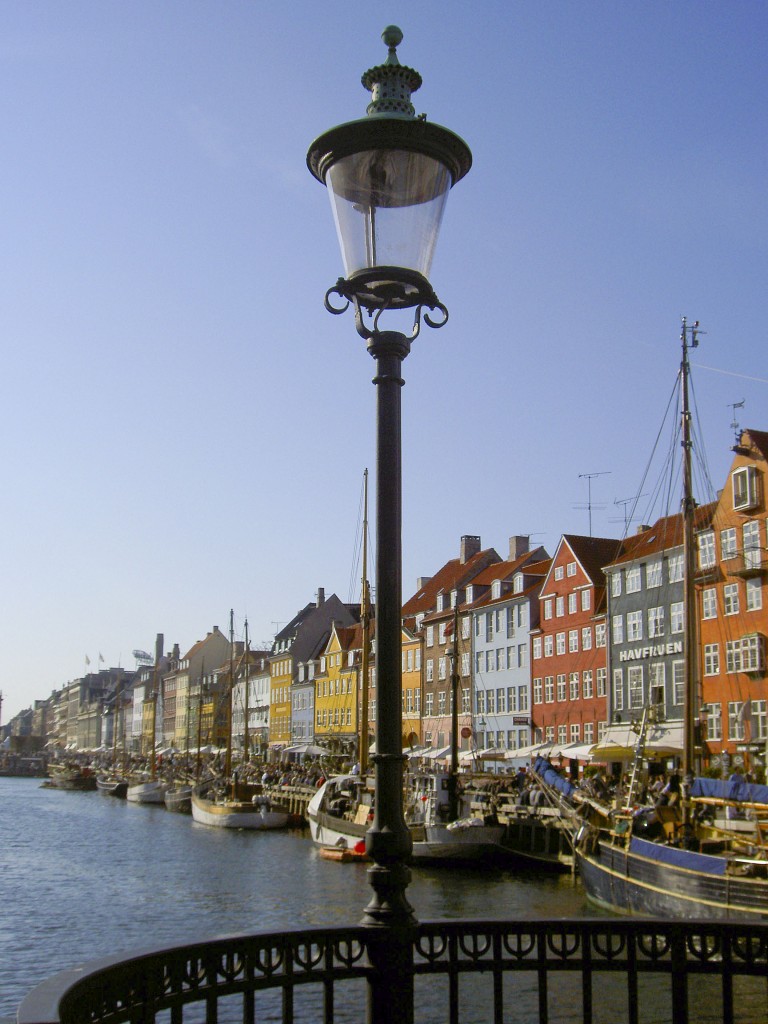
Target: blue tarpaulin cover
[553,778]
[724,789]
[679,858]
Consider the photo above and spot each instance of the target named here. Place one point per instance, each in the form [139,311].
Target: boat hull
[152,792]
[651,879]
[179,800]
[238,814]
[112,787]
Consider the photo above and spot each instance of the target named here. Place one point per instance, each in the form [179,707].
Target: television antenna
[626,517]
[590,505]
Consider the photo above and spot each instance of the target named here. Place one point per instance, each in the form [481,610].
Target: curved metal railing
[580,970]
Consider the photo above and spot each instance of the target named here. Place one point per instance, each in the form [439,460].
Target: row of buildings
[569,648]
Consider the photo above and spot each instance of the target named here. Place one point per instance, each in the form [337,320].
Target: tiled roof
[452,575]
[759,439]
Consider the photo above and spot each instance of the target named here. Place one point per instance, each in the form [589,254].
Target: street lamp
[388,176]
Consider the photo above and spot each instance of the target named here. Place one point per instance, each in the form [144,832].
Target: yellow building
[412,736]
[281,677]
[336,690]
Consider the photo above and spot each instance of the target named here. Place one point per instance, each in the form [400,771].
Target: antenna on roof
[626,518]
[589,506]
[733,406]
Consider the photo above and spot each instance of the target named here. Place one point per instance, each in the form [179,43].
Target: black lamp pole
[388,176]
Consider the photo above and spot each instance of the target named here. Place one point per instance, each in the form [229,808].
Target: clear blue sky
[185,428]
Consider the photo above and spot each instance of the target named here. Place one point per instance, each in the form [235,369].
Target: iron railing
[587,971]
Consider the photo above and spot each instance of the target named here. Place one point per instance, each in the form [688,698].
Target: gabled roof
[593,553]
[452,575]
[759,439]
[665,534]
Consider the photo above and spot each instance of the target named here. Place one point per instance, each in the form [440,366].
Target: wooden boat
[178,797]
[671,861]
[344,854]
[112,785]
[68,776]
[238,805]
[146,790]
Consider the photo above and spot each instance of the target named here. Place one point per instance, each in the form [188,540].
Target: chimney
[422,581]
[320,596]
[239,648]
[469,546]
[643,528]
[159,644]
[518,545]
[175,653]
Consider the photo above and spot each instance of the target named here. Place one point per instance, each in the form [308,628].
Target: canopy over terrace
[620,741]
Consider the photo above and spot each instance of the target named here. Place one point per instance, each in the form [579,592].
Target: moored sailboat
[680,860]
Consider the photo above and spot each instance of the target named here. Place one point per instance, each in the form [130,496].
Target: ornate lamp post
[388,176]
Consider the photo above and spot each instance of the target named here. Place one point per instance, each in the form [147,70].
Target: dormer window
[517,583]
[496,589]
[470,594]
[745,488]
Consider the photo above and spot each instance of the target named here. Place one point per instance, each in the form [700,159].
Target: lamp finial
[391,83]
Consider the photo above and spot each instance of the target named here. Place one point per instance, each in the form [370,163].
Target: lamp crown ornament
[391,83]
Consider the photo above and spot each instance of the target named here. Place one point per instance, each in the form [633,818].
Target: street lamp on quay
[388,176]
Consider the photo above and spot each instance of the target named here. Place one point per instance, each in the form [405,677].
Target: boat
[71,776]
[680,861]
[112,785]
[232,801]
[178,797]
[145,787]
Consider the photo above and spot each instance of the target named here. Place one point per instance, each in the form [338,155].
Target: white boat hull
[152,792]
[237,814]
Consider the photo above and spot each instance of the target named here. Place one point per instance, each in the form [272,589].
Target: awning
[578,751]
[435,753]
[620,741]
[550,749]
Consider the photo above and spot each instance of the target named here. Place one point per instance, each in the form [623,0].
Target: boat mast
[199,720]
[365,622]
[453,792]
[228,761]
[245,700]
[689,339]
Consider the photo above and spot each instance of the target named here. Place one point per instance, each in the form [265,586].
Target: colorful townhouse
[646,631]
[732,575]
[502,617]
[337,689]
[412,688]
[430,611]
[569,646]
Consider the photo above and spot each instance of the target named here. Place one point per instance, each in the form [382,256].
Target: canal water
[83,875]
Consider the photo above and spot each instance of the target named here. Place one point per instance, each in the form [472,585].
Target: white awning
[620,741]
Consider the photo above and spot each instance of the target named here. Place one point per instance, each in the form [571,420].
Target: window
[586,600]
[635,625]
[501,701]
[706,541]
[562,734]
[441,632]
[744,488]
[616,584]
[480,701]
[573,641]
[731,598]
[653,575]
[736,720]
[656,621]
[635,686]
[656,688]
[430,636]
[586,638]
[575,732]
[510,623]
[714,721]
[465,627]
[618,690]
[490,702]
[709,603]
[571,569]
[617,629]
[573,686]
[678,682]
[511,699]
[751,539]
[548,608]
[549,689]
[559,572]
[600,634]
[675,568]
[754,595]
[522,699]
[489,627]
[522,655]
[430,670]
[560,606]
[517,583]
[728,543]
[586,683]
[573,603]
[589,732]
[602,682]
[537,691]
[441,668]
[758,720]
[549,646]
[500,659]
[441,702]
[561,687]
[677,617]
[745,655]
[633,579]
[561,643]
[536,648]
[465,700]
[711,659]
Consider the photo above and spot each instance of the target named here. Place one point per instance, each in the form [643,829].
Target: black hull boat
[656,880]
[111,786]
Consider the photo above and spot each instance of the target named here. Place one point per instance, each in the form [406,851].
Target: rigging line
[653,454]
[730,373]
